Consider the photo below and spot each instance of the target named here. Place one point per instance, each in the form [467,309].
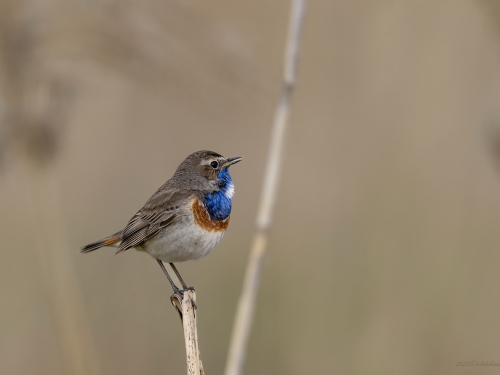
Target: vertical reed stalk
[45,218]
[246,304]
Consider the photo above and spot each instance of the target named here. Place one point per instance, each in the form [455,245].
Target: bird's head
[205,170]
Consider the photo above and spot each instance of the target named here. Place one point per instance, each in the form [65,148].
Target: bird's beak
[231,161]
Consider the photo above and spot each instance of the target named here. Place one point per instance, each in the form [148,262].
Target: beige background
[384,256]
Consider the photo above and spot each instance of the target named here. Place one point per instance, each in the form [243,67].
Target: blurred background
[384,256]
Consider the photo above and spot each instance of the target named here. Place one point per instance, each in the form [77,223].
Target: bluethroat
[186,217]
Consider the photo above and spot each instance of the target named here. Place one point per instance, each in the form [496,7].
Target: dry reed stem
[45,218]
[187,312]
[246,304]
[43,111]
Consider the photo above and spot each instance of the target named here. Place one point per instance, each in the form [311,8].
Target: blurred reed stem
[35,103]
[44,214]
[246,304]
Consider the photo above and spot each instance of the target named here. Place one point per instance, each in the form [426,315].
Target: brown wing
[158,212]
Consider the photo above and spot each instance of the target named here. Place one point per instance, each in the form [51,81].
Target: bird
[184,219]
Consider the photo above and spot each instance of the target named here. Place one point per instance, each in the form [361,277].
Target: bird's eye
[214,164]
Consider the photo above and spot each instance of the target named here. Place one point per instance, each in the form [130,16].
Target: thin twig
[246,304]
[185,306]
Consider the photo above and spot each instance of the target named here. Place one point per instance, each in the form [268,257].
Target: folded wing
[158,213]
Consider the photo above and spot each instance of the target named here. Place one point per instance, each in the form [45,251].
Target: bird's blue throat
[218,203]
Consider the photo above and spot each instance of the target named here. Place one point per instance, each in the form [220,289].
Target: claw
[180,292]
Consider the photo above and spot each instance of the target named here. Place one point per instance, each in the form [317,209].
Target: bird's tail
[113,240]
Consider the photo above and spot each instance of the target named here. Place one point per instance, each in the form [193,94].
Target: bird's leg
[183,283]
[174,287]
[180,278]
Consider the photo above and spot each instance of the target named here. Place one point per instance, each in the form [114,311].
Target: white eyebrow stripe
[207,162]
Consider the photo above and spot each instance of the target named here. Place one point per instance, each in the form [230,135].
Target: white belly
[182,242]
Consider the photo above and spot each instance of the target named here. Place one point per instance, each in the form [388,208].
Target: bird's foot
[180,292]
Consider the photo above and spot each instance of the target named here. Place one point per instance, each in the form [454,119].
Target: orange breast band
[202,218]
